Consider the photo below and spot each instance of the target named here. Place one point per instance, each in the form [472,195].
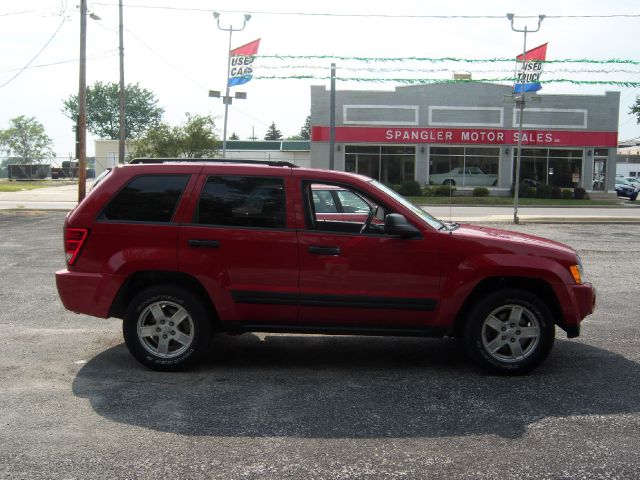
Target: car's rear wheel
[509,332]
[166,328]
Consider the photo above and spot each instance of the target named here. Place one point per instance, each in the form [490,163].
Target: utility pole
[122,90]
[520,104]
[82,105]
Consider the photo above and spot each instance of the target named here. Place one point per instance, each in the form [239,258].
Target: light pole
[121,93]
[227,99]
[82,105]
[520,103]
[81,126]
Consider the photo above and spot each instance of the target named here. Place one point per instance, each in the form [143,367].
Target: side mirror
[396,224]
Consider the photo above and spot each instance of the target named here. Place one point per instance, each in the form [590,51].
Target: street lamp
[227,99]
[520,102]
[121,92]
[81,127]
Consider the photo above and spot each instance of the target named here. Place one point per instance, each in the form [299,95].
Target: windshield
[431,221]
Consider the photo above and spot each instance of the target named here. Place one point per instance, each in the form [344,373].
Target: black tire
[166,328]
[509,332]
[449,182]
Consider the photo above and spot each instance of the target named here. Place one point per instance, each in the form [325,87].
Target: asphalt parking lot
[74,404]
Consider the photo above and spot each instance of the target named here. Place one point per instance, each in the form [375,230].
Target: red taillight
[73,240]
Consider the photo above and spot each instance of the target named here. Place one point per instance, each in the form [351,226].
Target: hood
[520,242]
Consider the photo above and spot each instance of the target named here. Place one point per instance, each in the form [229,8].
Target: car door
[367,280]
[241,249]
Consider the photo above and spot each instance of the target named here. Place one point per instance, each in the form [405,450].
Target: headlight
[577,271]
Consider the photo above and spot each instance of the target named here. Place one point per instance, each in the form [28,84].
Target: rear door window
[147,198]
[239,201]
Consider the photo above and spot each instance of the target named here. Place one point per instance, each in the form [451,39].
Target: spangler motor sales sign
[466,136]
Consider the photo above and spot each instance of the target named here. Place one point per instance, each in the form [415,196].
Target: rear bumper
[87,293]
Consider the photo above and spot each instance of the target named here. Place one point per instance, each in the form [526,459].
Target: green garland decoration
[444,70]
[421,81]
[620,61]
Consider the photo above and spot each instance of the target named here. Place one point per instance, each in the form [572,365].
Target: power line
[64,19]
[104,54]
[17,13]
[361,15]
[195,82]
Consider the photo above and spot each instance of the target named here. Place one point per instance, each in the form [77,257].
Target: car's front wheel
[166,328]
[509,332]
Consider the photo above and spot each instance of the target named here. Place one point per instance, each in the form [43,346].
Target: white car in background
[463,176]
[633,181]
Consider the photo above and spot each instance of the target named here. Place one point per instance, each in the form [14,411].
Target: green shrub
[410,188]
[556,192]
[427,192]
[480,192]
[524,190]
[580,193]
[531,192]
[544,191]
[443,190]
[567,193]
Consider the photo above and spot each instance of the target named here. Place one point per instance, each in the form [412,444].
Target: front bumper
[577,302]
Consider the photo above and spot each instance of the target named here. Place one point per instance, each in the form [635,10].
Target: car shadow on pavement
[354,387]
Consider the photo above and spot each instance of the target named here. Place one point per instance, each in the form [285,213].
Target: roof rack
[271,163]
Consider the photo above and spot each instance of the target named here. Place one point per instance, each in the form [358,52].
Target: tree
[273,133]
[141,110]
[234,136]
[635,109]
[305,131]
[25,141]
[193,139]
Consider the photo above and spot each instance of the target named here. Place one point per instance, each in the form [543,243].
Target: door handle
[204,243]
[324,250]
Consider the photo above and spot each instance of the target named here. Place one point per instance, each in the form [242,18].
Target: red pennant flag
[250,48]
[538,53]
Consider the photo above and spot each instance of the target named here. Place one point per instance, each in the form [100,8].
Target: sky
[177,51]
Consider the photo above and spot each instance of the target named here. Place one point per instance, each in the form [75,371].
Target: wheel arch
[139,281]
[534,285]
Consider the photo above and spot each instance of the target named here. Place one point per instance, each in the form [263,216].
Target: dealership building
[466,134]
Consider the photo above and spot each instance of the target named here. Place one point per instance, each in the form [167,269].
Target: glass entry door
[600,169]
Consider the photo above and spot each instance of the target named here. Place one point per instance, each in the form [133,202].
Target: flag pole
[227,99]
[520,103]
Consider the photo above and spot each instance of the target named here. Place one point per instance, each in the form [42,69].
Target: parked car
[179,250]
[464,176]
[626,190]
[633,181]
[336,203]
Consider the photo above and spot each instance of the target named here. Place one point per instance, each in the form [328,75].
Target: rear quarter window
[147,198]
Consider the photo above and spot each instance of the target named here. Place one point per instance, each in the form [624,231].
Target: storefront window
[464,166]
[556,167]
[390,165]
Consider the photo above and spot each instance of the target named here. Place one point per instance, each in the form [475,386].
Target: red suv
[180,250]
